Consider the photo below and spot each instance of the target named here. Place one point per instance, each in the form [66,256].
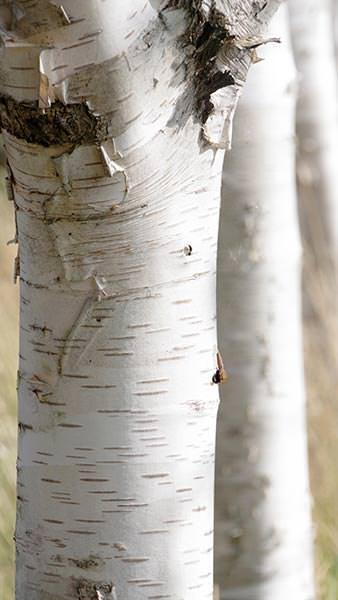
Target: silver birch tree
[262,527]
[115,118]
[314,36]
[317,122]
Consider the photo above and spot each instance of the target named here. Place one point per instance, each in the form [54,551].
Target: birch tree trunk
[334,8]
[263,532]
[314,36]
[115,119]
[317,122]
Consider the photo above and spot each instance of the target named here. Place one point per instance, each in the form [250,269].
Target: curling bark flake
[111,143]
[263,538]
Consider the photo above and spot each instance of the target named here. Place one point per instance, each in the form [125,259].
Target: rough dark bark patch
[89,590]
[59,124]
[206,36]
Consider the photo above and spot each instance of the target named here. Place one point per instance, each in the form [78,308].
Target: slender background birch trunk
[334,9]
[115,118]
[317,123]
[314,28]
[263,529]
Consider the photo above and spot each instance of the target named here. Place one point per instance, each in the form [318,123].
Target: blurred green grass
[321,368]
[320,320]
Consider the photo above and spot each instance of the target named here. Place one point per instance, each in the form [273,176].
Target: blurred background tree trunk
[314,28]
[317,125]
[263,525]
[334,9]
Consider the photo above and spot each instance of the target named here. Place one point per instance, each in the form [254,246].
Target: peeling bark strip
[117,212]
[220,376]
[59,124]
[207,33]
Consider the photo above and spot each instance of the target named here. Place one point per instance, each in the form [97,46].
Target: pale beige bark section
[262,526]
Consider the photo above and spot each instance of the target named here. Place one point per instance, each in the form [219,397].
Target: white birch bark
[116,179]
[262,527]
[317,121]
[334,9]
